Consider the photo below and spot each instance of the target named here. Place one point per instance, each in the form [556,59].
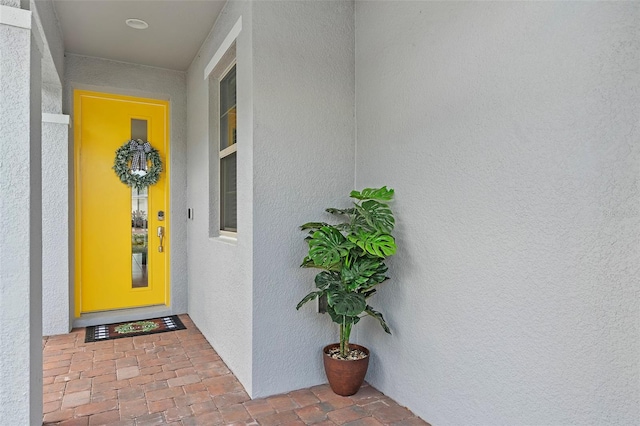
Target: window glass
[228,156]
[228,109]
[228,200]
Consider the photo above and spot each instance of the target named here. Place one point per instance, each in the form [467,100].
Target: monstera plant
[351,256]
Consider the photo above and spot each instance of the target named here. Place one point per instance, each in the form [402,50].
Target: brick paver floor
[177,378]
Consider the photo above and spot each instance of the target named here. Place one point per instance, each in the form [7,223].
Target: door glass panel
[139,220]
[139,129]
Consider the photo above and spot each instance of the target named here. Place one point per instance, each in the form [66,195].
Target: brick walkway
[176,378]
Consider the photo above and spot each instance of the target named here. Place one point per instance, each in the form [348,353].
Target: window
[228,147]
[220,74]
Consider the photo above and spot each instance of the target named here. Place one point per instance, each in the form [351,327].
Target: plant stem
[345,333]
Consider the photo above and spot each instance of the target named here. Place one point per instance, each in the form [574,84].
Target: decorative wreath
[131,164]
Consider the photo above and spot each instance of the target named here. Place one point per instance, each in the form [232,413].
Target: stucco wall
[52,98]
[53,56]
[303,96]
[295,158]
[21,224]
[34,299]
[137,80]
[510,133]
[12,3]
[220,273]
[55,244]
[56,318]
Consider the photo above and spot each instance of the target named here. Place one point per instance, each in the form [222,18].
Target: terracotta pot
[345,376]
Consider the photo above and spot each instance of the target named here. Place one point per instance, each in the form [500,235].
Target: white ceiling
[176,30]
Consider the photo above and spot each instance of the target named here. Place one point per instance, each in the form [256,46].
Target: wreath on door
[138,164]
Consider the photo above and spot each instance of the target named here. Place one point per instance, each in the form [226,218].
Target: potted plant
[351,255]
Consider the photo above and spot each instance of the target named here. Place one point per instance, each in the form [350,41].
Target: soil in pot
[334,352]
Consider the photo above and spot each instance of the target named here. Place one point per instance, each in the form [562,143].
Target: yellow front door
[121,261]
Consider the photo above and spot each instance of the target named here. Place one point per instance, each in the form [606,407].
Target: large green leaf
[308,298]
[377,278]
[312,225]
[346,227]
[326,279]
[382,194]
[346,303]
[378,216]
[377,315]
[307,263]
[341,319]
[380,245]
[359,224]
[368,293]
[360,271]
[340,211]
[328,246]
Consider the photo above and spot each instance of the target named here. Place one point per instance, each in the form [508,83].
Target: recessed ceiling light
[138,24]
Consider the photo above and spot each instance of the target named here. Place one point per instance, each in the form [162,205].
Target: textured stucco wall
[220,273]
[303,97]
[53,56]
[12,3]
[35,236]
[21,224]
[52,98]
[137,80]
[55,243]
[295,158]
[510,133]
[55,183]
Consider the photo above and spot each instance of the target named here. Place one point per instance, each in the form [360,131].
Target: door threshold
[122,315]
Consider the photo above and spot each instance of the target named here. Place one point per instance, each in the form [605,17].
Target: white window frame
[219,59]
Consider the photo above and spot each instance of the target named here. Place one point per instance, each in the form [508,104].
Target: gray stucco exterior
[20,220]
[508,130]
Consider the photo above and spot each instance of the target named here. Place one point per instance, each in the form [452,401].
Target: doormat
[98,333]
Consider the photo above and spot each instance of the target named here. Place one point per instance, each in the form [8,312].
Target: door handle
[161,236]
